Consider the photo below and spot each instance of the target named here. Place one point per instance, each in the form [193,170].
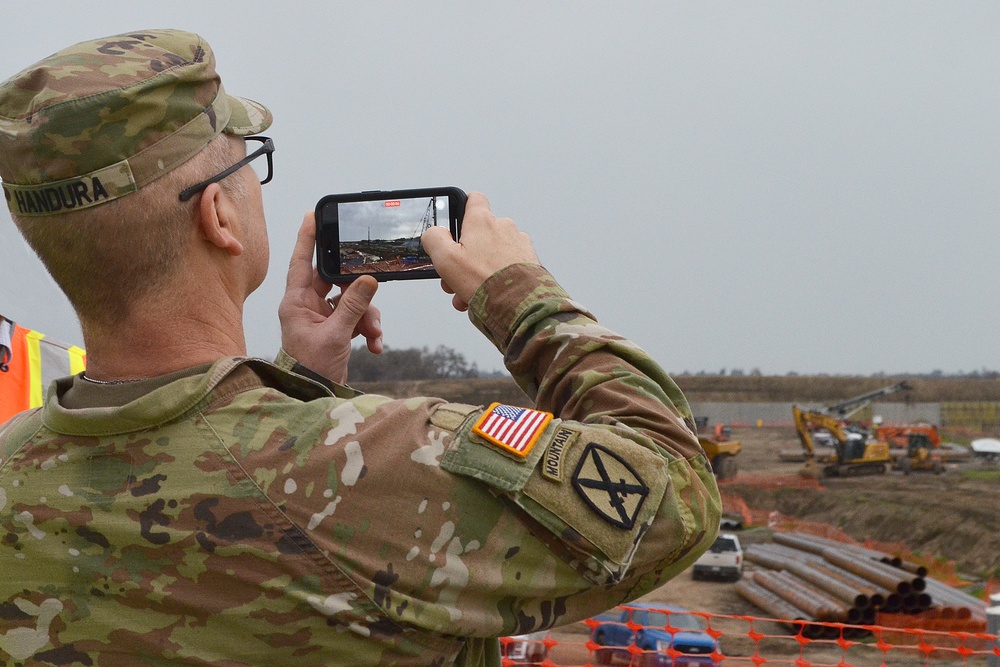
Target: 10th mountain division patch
[609,486]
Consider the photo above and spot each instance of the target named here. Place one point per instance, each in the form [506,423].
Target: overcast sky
[789,186]
[404,219]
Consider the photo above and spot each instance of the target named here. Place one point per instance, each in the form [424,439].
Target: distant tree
[408,364]
[447,363]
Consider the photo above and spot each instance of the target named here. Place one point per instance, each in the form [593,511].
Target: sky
[388,219]
[781,186]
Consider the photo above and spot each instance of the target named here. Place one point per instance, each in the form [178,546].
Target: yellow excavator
[854,453]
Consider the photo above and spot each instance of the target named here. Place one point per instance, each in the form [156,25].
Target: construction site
[867,539]
[821,492]
[374,255]
[871,569]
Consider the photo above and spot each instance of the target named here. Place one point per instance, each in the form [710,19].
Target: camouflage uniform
[251,513]
[248,516]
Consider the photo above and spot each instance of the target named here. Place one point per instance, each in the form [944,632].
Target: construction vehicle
[921,445]
[720,449]
[722,455]
[854,452]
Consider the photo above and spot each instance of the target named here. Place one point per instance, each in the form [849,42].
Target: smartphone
[378,233]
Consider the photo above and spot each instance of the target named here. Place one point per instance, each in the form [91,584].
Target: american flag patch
[515,429]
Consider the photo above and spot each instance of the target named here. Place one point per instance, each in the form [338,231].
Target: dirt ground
[953,516]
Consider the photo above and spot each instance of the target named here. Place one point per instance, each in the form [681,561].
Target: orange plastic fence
[755,641]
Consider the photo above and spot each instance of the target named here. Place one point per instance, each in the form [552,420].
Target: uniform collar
[157,401]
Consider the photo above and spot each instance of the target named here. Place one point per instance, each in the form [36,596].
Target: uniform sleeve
[617,487]
[452,534]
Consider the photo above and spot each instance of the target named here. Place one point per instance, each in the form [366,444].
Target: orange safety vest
[28,363]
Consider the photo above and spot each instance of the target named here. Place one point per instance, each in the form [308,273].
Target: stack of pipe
[823,580]
[777,607]
[953,601]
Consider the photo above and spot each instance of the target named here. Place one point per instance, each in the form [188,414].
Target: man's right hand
[487,244]
[312,331]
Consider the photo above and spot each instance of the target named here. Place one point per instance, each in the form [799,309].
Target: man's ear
[217,220]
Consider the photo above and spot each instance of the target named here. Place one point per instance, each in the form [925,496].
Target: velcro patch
[512,428]
[609,486]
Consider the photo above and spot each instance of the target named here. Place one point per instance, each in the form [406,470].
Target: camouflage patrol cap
[99,120]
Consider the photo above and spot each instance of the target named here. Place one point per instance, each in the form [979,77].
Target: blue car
[667,637]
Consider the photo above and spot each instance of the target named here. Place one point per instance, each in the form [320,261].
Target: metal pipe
[779,608]
[838,611]
[821,543]
[880,597]
[916,583]
[916,569]
[771,603]
[867,571]
[876,594]
[892,560]
[806,571]
[946,595]
[798,541]
[779,587]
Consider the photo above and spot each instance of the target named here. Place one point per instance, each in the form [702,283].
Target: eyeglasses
[264,175]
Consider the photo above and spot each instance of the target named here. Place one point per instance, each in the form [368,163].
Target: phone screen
[384,236]
[378,232]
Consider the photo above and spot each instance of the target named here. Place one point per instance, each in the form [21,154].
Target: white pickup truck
[723,560]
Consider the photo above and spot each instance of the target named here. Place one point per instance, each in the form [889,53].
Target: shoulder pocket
[592,490]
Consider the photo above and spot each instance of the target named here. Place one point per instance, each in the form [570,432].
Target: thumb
[436,241]
[355,301]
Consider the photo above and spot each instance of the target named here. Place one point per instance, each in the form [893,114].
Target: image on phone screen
[384,235]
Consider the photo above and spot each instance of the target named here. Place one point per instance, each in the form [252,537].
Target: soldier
[180,503]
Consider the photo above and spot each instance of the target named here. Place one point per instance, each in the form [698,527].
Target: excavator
[854,453]
[921,441]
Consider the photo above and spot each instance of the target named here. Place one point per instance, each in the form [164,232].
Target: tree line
[410,364]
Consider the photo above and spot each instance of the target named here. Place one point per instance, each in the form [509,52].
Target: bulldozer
[721,450]
[854,453]
[921,444]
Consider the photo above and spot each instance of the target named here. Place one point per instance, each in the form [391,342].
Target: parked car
[529,649]
[723,560]
[667,636]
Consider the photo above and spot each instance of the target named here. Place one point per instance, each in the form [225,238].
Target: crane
[428,220]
